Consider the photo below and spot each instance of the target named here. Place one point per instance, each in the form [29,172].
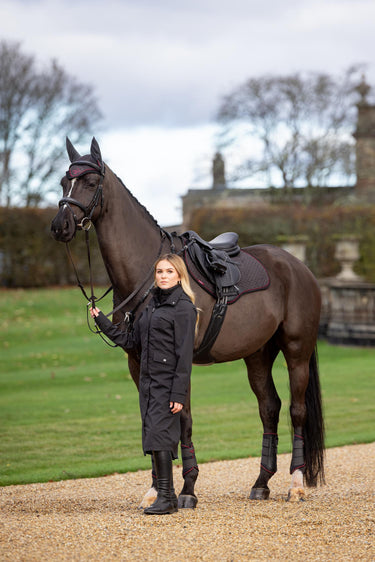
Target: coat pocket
[166,359]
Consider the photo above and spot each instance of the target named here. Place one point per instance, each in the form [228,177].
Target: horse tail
[314,426]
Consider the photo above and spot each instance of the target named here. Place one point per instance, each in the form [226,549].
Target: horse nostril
[66,225]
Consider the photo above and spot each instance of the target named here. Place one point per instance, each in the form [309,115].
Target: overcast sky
[160,67]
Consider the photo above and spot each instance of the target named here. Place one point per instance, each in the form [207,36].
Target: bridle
[77,169]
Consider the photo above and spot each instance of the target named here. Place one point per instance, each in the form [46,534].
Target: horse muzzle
[64,225]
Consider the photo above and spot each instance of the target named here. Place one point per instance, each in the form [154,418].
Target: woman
[164,338]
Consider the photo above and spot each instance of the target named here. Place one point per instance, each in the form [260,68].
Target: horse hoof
[296,495]
[149,498]
[187,502]
[259,493]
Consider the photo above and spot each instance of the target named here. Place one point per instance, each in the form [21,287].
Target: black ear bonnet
[88,164]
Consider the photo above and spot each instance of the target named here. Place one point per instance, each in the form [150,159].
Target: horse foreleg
[268,467]
[151,494]
[190,470]
[259,368]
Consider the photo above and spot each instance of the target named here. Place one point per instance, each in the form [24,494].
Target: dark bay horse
[285,318]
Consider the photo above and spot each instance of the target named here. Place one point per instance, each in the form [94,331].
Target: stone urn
[295,245]
[347,253]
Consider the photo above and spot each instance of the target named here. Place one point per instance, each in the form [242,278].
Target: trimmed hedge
[320,224]
[30,257]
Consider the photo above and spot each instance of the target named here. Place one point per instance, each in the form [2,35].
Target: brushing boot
[166,501]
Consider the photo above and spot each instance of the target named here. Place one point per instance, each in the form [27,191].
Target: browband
[77,169]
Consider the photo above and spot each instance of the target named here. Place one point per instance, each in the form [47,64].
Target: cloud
[160,68]
[159,165]
[168,63]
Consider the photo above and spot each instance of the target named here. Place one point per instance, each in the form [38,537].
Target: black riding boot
[166,501]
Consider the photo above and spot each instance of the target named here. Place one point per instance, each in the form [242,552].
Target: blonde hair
[179,265]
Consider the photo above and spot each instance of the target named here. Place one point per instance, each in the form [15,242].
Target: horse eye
[90,182]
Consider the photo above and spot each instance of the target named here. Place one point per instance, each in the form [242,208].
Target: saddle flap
[213,263]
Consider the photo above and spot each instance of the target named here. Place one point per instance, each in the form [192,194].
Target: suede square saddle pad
[254,276]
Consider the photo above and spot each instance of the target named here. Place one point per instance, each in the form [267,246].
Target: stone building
[348,313]
[220,195]
[365,145]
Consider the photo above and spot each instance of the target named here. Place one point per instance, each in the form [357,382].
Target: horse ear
[72,152]
[95,151]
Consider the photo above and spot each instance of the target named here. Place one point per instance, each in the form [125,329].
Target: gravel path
[99,520]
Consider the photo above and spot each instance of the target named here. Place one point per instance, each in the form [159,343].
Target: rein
[128,315]
[92,300]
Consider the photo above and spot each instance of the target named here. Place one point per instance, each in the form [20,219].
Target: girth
[202,354]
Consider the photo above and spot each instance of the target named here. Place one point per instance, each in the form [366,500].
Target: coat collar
[173,296]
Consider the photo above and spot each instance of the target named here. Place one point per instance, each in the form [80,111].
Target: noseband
[77,169]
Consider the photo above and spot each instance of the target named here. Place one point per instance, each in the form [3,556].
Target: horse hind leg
[299,377]
[307,421]
[259,368]
[296,491]
[307,464]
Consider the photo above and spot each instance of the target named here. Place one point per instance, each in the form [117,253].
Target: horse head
[82,192]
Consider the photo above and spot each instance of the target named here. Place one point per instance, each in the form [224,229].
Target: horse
[257,327]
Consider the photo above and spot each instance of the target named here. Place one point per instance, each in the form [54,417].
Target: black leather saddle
[212,266]
[226,242]
[213,260]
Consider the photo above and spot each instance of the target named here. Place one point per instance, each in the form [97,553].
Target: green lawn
[68,407]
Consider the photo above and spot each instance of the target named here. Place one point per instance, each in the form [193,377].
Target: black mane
[147,212]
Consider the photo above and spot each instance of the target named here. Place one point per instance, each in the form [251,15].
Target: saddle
[212,259]
[211,265]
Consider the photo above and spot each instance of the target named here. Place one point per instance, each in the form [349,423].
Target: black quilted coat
[164,337]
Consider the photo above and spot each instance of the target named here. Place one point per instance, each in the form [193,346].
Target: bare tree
[299,125]
[38,107]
